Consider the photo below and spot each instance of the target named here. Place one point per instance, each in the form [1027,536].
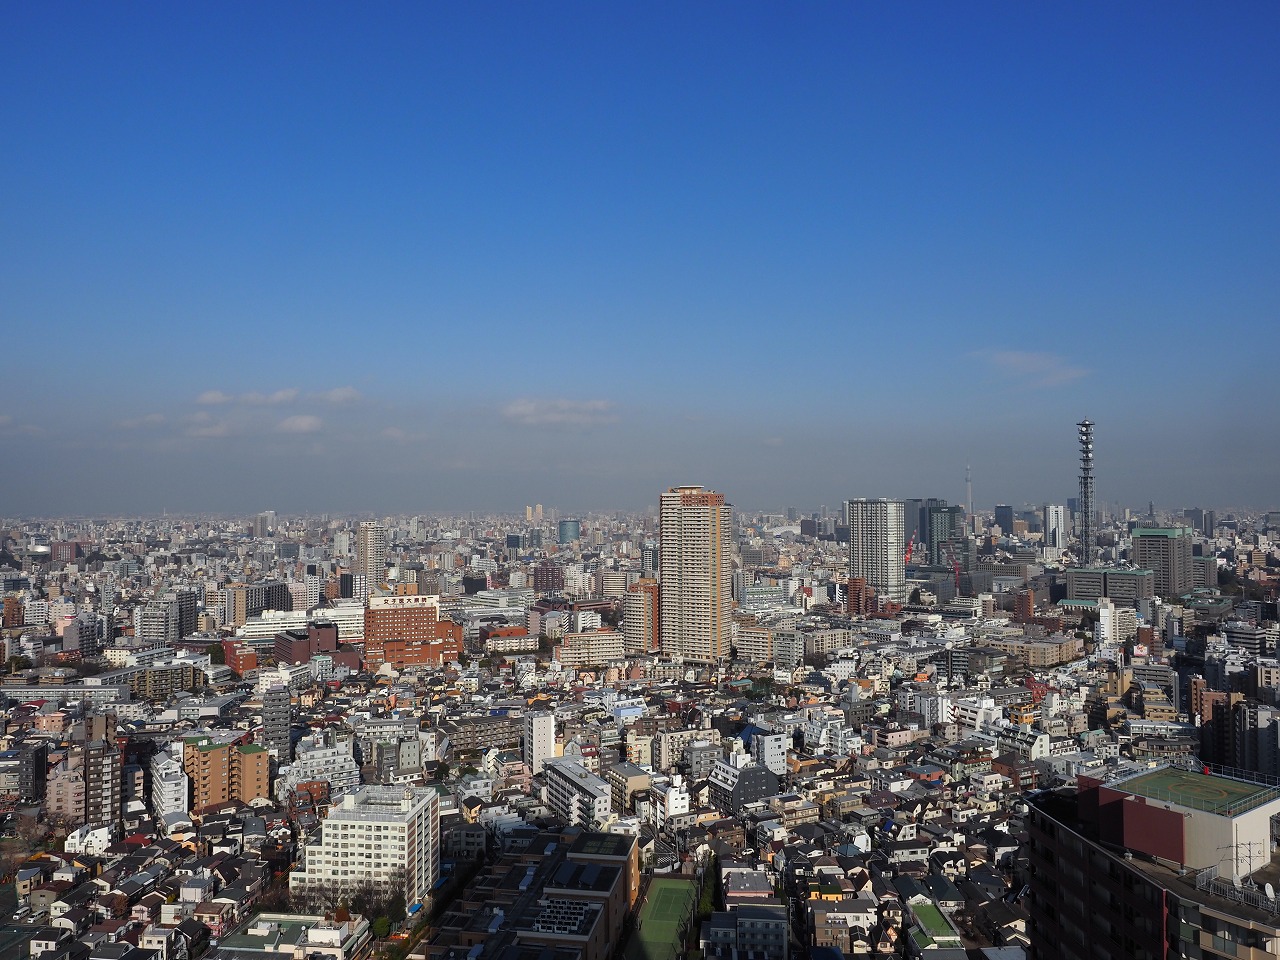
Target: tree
[381,928]
[18,662]
[396,908]
[216,653]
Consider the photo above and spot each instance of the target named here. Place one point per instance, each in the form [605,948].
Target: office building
[1167,552]
[1004,518]
[567,531]
[387,837]
[371,553]
[696,574]
[1125,587]
[877,546]
[942,523]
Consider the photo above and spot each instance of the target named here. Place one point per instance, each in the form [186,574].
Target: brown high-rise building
[101,769]
[696,574]
[641,618]
[13,613]
[408,631]
[225,772]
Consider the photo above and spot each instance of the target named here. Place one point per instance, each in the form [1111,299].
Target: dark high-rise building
[346,586]
[1004,518]
[277,722]
[277,596]
[944,524]
[33,762]
[188,611]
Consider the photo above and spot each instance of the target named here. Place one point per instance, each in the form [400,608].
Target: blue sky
[433,257]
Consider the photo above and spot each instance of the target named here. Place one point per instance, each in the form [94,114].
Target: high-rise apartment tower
[696,574]
[877,546]
[371,552]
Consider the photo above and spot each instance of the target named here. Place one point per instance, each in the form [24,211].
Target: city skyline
[455,259]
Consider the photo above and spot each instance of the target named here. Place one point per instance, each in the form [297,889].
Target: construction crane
[955,566]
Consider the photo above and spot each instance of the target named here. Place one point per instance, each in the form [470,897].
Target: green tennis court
[1200,791]
[668,905]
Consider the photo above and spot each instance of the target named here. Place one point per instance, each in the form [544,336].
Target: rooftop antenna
[1087,535]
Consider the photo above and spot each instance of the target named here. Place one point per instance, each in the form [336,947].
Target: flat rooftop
[1198,791]
[602,845]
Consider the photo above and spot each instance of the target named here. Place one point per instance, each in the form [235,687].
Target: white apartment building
[539,739]
[1055,527]
[822,728]
[770,751]
[292,676]
[668,799]
[169,784]
[596,647]
[387,836]
[323,755]
[576,795]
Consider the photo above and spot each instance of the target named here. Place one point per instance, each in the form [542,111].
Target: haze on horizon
[431,258]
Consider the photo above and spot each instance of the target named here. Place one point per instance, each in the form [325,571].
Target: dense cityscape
[596,481]
[896,727]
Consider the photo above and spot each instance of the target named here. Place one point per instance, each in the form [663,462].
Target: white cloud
[1034,369]
[557,412]
[210,430]
[280,396]
[253,398]
[150,420]
[340,395]
[302,423]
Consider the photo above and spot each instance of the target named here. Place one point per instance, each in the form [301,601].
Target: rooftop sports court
[667,908]
[1199,791]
